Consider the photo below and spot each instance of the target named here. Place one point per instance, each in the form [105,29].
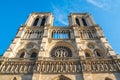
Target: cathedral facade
[42,51]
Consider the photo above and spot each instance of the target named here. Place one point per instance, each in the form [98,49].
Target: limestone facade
[42,51]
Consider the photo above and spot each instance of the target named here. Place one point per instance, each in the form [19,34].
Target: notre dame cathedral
[42,51]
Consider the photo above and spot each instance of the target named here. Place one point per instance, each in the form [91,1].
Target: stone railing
[58,65]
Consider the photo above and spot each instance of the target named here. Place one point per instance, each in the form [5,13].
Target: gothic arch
[77,21]
[44,18]
[98,53]
[84,21]
[36,21]
[61,77]
[33,53]
[21,53]
[88,53]
[26,47]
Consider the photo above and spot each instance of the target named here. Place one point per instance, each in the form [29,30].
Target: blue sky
[13,13]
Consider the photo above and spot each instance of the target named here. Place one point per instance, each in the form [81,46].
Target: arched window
[77,21]
[33,55]
[36,22]
[43,21]
[84,22]
[22,55]
[97,53]
[14,78]
[87,54]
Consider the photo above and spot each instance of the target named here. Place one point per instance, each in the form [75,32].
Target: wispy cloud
[105,4]
[62,11]
[97,3]
[59,15]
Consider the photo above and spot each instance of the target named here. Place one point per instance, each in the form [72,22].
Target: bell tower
[89,37]
[31,37]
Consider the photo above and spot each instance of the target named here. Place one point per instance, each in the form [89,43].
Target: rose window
[61,51]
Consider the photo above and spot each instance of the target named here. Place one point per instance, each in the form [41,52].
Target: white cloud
[98,3]
[105,4]
[60,16]
[62,11]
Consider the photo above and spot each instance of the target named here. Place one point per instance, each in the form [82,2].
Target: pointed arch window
[90,35]
[84,22]
[33,55]
[97,53]
[43,21]
[87,54]
[36,22]
[77,21]
[22,55]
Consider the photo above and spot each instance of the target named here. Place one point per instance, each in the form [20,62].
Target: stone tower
[41,51]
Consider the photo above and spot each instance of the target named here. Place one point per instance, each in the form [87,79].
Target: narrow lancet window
[87,54]
[84,22]
[43,21]
[77,21]
[22,55]
[36,22]
[34,55]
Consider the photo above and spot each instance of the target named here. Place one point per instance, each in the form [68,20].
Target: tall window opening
[77,21]
[84,22]
[90,35]
[87,54]
[97,53]
[36,22]
[34,55]
[22,55]
[43,21]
